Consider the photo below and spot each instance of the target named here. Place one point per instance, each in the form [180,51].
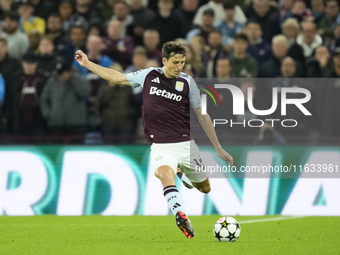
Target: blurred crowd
[44,91]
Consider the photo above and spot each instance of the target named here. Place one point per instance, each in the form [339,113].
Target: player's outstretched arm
[105,73]
[209,129]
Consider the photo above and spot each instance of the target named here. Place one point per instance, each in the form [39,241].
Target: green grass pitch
[159,235]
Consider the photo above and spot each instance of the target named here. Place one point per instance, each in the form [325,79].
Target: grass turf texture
[159,235]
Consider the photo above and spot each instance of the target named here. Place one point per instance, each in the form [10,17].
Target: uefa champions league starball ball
[227,229]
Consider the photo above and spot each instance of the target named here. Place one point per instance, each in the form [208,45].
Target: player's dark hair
[171,49]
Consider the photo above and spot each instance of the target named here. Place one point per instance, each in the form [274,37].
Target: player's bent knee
[164,173]
[163,176]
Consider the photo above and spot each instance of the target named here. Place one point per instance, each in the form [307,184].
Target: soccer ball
[227,229]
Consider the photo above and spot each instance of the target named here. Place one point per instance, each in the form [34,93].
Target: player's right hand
[81,58]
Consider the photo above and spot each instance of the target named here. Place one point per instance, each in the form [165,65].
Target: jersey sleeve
[194,95]
[137,78]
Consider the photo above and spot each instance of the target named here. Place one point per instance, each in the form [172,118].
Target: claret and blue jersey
[166,102]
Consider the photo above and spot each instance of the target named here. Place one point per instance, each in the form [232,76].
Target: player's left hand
[225,156]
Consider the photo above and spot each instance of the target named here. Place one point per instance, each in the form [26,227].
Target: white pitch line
[241,222]
[271,219]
